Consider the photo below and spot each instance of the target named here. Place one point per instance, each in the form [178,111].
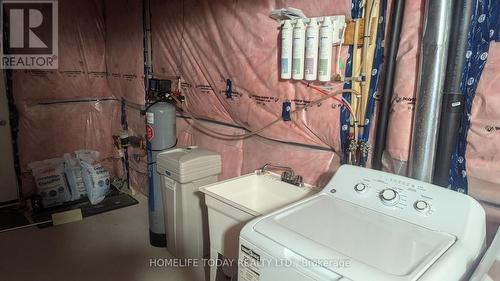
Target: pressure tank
[286,50]
[299,41]
[311,60]
[161,135]
[325,50]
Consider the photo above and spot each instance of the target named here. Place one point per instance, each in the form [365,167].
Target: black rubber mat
[11,217]
[113,201]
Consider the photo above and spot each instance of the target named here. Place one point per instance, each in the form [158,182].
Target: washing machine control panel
[421,206]
[360,187]
[395,193]
[408,199]
[398,196]
[389,196]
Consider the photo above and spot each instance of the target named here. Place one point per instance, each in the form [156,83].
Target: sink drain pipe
[396,22]
[453,97]
[433,59]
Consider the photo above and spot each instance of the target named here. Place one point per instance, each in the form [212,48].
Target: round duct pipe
[433,59]
[453,98]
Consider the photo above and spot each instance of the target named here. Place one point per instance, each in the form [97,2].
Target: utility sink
[234,202]
[256,194]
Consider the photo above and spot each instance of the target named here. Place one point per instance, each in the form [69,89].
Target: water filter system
[299,36]
[307,47]
[311,59]
[286,50]
[325,50]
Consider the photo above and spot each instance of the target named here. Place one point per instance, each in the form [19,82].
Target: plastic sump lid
[187,164]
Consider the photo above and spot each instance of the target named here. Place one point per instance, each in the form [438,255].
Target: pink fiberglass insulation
[316,166]
[100,57]
[47,131]
[483,140]
[230,151]
[483,150]
[246,156]
[405,84]
[207,42]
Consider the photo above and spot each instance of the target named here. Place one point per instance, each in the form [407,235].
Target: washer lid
[377,246]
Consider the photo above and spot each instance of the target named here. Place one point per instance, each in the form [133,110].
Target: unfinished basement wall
[206,42]
[78,106]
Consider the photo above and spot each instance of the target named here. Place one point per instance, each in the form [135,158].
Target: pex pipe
[433,59]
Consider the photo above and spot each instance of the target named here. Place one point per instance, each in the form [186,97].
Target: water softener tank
[161,135]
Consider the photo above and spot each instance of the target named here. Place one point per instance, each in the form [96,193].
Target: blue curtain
[484,28]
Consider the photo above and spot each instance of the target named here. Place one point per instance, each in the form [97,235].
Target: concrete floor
[109,246]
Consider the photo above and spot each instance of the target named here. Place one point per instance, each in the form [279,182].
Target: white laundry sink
[234,202]
[256,194]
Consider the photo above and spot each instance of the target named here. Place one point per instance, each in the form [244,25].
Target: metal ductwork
[433,60]
[453,98]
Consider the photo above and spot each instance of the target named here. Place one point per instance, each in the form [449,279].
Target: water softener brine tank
[161,135]
[184,171]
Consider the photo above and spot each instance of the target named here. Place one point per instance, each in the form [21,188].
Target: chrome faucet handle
[287,176]
[298,181]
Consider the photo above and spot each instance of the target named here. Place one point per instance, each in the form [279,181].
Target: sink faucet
[288,175]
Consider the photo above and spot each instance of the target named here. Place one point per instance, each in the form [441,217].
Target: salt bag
[73,173]
[95,176]
[50,181]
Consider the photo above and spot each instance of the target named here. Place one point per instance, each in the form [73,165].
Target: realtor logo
[31,34]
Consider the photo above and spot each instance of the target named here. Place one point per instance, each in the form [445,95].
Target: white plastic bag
[95,176]
[50,181]
[73,173]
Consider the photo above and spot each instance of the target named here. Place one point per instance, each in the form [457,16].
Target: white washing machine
[367,225]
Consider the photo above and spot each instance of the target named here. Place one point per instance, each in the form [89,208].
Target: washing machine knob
[360,187]
[389,196]
[421,206]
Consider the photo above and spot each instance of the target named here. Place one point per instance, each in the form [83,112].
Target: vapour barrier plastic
[483,151]
[245,156]
[208,42]
[46,130]
[483,144]
[100,57]
[231,151]
[316,166]
[137,157]
[405,82]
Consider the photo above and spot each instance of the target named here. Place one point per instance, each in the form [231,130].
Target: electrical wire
[220,135]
